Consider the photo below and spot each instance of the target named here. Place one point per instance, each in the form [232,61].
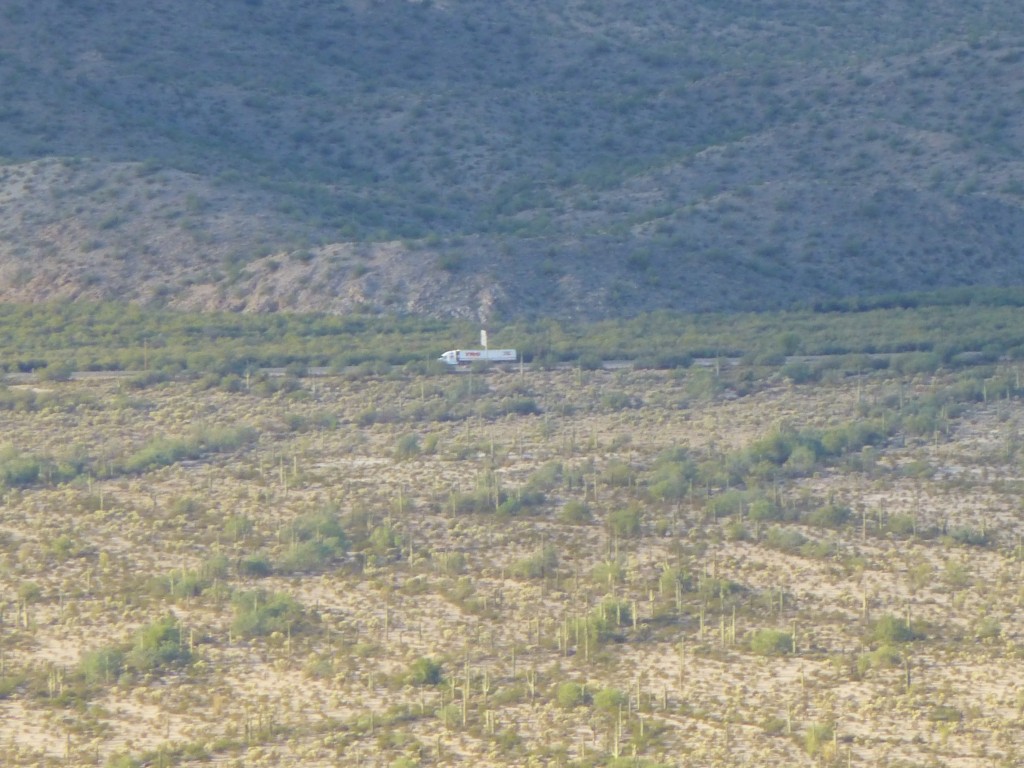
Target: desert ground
[510,568]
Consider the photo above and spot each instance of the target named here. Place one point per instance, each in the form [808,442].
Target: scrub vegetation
[724,564]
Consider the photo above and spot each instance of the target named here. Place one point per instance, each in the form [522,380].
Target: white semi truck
[467,356]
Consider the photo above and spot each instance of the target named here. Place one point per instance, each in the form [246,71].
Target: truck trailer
[467,356]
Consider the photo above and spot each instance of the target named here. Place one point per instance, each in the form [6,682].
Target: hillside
[695,568]
[505,159]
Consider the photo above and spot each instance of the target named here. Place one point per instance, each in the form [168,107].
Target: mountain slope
[507,158]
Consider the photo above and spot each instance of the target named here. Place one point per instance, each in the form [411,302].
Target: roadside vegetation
[916,333]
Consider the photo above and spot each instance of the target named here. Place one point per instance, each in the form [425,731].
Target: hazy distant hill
[500,157]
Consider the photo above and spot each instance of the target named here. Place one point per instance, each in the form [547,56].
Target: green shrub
[971,537]
[802,460]
[17,399]
[785,540]
[987,628]
[603,623]
[384,540]
[163,451]
[408,447]
[617,474]
[717,588]
[57,371]
[818,549]
[900,524]
[614,613]
[570,695]
[671,577]
[451,563]
[425,671]
[625,521]
[771,642]
[102,666]
[727,503]
[63,547]
[916,362]
[214,567]
[20,471]
[547,477]
[763,509]
[256,565]
[618,401]
[891,629]
[956,574]
[943,713]
[121,760]
[663,361]
[609,700]
[575,512]
[260,613]
[147,379]
[159,452]
[317,541]
[883,657]
[158,646]
[520,501]
[775,448]
[461,591]
[180,584]
[673,477]
[737,531]
[308,556]
[521,406]
[478,501]
[829,516]
[538,565]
